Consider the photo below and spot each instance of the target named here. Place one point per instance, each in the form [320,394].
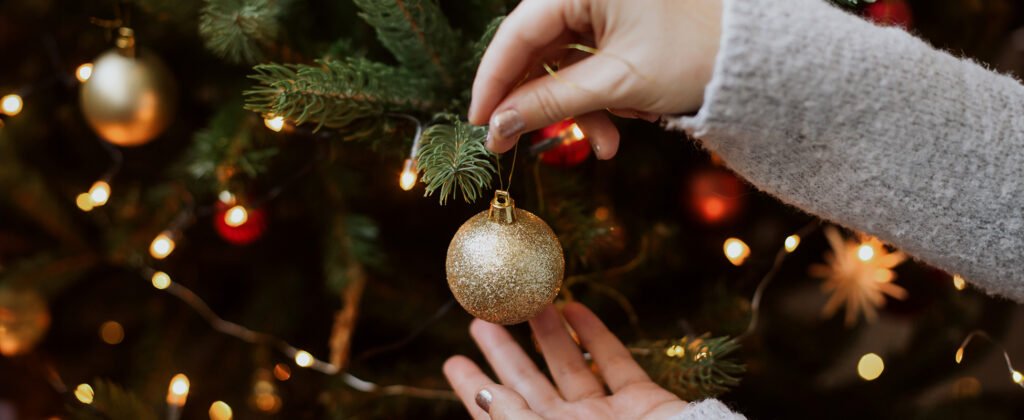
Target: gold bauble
[24,320]
[505,264]
[130,98]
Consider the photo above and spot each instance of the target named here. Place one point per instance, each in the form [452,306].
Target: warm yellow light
[162,245]
[84,202]
[275,123]
[161,280]
[736,251]
[267,403]
[1018,378]
[303,358]
[282,372]
[959,355]
[409,175]
[577,134]
[84,393]
[865,252]
[177,391]
[792,241]
[11,104]
[99,193]
[220,410]
[870,367]
[236,216]
[226,197]
[958,282]
[83,72]
[675,351]
[112,332]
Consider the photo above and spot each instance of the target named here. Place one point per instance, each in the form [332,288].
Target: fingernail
[507,124]
[489,142]
[483,399]
[597,149]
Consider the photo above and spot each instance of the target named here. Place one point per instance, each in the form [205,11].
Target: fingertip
[453,364]
[575,312]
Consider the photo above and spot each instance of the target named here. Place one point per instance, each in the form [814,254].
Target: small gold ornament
[130,97]
[24,320]
[505,264]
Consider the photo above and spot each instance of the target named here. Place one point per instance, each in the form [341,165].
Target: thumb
[577,89]
[502,403]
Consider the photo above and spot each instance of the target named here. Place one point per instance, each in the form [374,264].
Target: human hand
[528,394]
[655,57]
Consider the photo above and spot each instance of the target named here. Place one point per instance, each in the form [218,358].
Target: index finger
[531,27]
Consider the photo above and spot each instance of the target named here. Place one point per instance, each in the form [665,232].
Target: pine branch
[337,93]
[692,367]
[237,30]
[454,160]
[227,147]
[478,48]
[417,33]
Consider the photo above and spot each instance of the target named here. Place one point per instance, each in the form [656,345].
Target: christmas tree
[242,208]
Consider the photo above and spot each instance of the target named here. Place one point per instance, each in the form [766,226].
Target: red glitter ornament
[715,195]
[247,232]
[573,149]
[890,13]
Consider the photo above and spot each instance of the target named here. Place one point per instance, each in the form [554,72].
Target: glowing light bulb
[736,251]
[161,280]
[577,133]
[409,175]
[177,391]
[236,216]
[220,410]
[84,202]
[274,123]
[84,393]
[11,104]
[792,241]
[958,282]
[112,332]
[226,197]
[959,355]
[865,252]
[83,72]
[303,359]
[675,351]
[99,193]
[870,366]
[162,245]
[282,372]
[1017,377]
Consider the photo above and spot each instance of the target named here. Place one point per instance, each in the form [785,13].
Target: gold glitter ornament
[505,264]
[24,320]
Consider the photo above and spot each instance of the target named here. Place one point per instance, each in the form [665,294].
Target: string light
[83,72]
[274,123]
[264,393]
[1015,375]
[791,242]
[870,366]
[84,202]
[236,216]
[99,193]
[282,372]
[958,282]
[161,280]
[11,104]
[220,410]
[162,245]
[177,391]
[112,332]
[675,351]
[409,175]
[303,358]
[736,251]
[226,197]
[865,252]
[84,393]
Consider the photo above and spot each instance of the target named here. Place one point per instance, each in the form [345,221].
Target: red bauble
[715,195]
[571,152]
[243,234]
[890,13]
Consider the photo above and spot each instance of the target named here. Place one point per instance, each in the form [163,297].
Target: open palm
[527,393]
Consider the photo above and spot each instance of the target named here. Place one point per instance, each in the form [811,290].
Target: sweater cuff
[707,410]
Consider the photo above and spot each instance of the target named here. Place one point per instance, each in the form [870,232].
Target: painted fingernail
[507,124]
[597,149]
[483,399]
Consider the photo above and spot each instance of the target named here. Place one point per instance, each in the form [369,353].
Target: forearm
[872,128]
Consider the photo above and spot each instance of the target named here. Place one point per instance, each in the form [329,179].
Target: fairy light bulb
[226,197]
[84,202]
[958,282]
[99,193]
[161,280]
[274,123]
[303,359]
[236,216]
[1017,377]
[409,175]
[84,393]
[220,410]
[162,245]
[959,357]
[83,72]
[11,104]
[870,366]
[791,242]
[865,252]
[177,391]
[736,251]
[576,134]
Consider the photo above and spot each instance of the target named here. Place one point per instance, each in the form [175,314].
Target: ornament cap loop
[502,208]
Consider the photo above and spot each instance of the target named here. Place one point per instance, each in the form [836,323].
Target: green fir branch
[237,30]
[454,161]
[417,33]
[693,368]
[336,93]
[480,46]
[228,142]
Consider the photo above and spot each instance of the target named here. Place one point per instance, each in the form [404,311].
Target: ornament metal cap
[503,208]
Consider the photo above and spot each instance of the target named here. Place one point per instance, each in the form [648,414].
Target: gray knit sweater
[873,129]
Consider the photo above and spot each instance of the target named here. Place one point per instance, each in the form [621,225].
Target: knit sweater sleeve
[710,409]
[873,129]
